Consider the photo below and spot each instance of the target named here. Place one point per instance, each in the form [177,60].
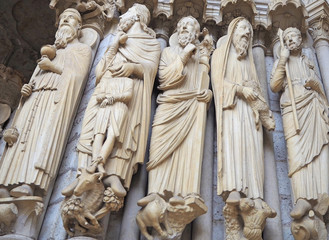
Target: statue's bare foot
[300,209]
[4,193]
[146,200]
[23,190]
[177,200]
[114,182]
[233,198]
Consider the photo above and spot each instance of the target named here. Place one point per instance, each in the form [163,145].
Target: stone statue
[176,148]
[304,110]
[42,123]
[116,122]
[240,138]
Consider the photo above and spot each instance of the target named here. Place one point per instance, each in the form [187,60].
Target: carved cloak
[243,167]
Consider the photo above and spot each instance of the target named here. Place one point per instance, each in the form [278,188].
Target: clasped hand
[205,96]
[124,70]
[249,94]
[107,101]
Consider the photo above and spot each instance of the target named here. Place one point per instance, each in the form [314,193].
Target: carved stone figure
[42,123]
[44,119]
[239,106]
[115,127]
[304,110]
[176,148]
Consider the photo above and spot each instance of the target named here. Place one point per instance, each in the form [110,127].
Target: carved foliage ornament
[320,29]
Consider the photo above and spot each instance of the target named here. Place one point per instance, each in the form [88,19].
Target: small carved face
[293,40]
[188,30]
[186,25]
[69,19]
[243,31]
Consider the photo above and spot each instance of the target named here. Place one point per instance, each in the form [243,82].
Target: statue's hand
[285,53]
[189,48]
[100,97]
[249,94]
[45,64]
[311,84]
[120,38]
[187,53]
[104,103]
[111,100]
[26,90]
[205,96]
[125,70]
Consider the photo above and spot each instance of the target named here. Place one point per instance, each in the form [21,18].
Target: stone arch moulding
[231,9]
[287,13]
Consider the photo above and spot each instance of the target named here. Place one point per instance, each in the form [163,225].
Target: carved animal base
[169,218]
[19,217]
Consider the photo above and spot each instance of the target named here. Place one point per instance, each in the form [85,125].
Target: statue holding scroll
[176,148]
[304,110]
[239,132]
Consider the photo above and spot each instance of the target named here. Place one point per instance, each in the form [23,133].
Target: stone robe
[45,120]
[129,149]
[240,144]
[308,151]
[175,162]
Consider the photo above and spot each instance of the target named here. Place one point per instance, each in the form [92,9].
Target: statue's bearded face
[68,29]
[242,38]
[127,20]
[293,40]
[187,31]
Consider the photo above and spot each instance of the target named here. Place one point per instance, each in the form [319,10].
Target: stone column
[273,229]
[202,226]
[320,34]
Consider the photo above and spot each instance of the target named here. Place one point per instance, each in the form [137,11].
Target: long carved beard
[125,24]
[64,35]
[241,46]
[185,38]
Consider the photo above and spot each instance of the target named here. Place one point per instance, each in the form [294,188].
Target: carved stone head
[68,28]
[137,12]
[188,29]
[242,37]
[292,38]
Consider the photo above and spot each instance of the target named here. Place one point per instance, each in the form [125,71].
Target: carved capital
[320,30]
[95,14]
[319,20]
[287,13]
[259,38]
[231,9]
[162,27]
